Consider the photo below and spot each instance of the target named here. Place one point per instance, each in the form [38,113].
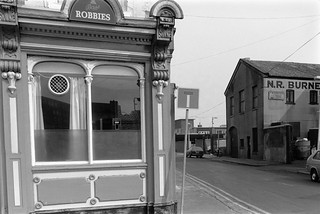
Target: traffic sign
[188,98]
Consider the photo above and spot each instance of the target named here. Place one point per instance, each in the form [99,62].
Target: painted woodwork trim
[48,189]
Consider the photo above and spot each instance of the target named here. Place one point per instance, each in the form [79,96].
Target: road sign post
[187,98]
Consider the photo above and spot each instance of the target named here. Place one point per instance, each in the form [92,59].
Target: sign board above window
[95,11]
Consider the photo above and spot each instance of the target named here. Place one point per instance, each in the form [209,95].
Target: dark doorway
[233,133]
[248,148]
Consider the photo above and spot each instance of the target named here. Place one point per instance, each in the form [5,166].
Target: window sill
[73,167]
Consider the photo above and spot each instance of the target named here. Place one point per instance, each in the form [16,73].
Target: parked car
[313,165]
[195,151]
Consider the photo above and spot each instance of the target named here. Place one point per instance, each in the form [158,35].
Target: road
[266,188]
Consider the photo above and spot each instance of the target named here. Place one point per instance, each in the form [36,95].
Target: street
[265,187]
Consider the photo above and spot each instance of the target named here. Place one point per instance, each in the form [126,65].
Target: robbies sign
[97,11]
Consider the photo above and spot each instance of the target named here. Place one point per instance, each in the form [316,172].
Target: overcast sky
[215,34]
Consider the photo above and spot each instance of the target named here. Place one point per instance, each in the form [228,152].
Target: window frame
[313,97]
[89,70]
[255,97]
[231,105]
[242,106]
[290,96]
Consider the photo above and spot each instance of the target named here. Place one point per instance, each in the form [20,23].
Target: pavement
[203,198]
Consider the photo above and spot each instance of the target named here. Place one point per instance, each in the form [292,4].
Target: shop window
[95,118]
[241,102]
[313,97]
[289,96]
[254,97]
[231,106]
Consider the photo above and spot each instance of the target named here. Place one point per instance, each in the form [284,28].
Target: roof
[286,69]
[276,69]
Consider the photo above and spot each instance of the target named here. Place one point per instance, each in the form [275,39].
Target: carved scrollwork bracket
[10,70]
[160,85]
[8,12]
[165,12]
[9,44]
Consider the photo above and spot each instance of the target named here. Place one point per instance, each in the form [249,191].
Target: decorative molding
[9,40]
[160,84]
[57,31]
[165,12]
[164,6]
[8,12]
[12,77]
[10,70]
[9,43]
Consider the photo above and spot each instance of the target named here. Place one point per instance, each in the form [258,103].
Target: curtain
[37,104]
[77,103]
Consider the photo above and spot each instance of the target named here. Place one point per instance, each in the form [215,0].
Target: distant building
[261,94]
[180,126]
[205,137]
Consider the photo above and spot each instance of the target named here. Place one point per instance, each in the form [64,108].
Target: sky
[215,34]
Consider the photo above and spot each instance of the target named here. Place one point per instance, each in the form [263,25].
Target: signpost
[187,98]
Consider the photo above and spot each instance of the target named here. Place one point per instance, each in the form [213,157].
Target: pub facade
[87,107]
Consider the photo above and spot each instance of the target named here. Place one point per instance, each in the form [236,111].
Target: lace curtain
[77,104]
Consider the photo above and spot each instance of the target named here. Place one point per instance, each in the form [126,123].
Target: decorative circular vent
[58,84]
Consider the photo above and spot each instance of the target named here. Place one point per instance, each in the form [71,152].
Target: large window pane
[60,118]
[116,118]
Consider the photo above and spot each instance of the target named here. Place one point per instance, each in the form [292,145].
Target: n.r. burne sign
[96,11]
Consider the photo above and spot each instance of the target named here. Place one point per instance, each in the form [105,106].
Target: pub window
[313,97]
[241,102]
[289,96]
[231,106]
[254,97]
[95,118]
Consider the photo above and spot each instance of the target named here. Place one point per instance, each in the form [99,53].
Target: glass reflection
[116,118]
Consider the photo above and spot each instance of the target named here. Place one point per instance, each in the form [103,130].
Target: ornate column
[15,162]
[165,12]
[9,50]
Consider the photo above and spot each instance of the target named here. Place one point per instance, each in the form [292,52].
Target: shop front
[87,109]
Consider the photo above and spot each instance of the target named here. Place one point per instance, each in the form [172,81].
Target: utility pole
[212,131]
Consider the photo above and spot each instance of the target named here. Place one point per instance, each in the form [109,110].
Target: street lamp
[318,144]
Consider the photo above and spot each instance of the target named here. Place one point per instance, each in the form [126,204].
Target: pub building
[87,107]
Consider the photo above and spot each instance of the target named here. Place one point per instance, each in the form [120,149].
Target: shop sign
[96,11]
[276,95]
[292,84]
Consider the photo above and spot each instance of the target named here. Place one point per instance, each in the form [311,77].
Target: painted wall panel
[63,191]
[110,188]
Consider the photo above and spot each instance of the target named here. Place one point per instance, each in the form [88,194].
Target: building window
[241,143]
[241,102]
[97,119]
[313,97]
[231,106]
[289,96]
[254,97]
